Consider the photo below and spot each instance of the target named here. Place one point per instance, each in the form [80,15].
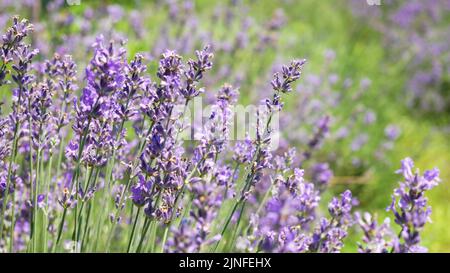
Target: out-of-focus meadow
[358,72]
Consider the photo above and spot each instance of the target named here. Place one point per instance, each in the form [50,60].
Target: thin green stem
[145,229]
[47,192]
[152,240]
[237,229]
[35,193]
[60,228]
[164,239]
[247,184]
[74,177]
[130,242]
[230,216]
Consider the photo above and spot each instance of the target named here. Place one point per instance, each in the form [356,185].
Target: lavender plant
[411,213]
[105,167]
[244,39]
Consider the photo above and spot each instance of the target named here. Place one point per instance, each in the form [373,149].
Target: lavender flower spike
[289,75]
[11,42]
[409,205]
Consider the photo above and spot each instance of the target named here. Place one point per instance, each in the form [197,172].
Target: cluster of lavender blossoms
[97,163]
[411,213]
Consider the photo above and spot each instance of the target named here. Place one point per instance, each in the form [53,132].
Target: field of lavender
[224,126]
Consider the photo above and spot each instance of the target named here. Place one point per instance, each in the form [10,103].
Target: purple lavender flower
[141,191]
[329,234]
[62,76]
[68,200]
[12,45]
[322,129]
[341,207]
[289,75]
[284,225]
[195,71]
[40,201]
[321,175]
[392,132]
[244,151]
[409,205]
[359,142]
[43,123]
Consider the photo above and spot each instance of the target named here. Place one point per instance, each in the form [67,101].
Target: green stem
[152,241]
[261,206]
[164,239]
[74,177]
[11,242]
[116,215]
[88,178]
[60,155]
[237,229]
[60,228]
[130,242]
[230,216]
[35,210]
[247,184]
[147,224]
[128,183]
[86,225]
[47,192]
